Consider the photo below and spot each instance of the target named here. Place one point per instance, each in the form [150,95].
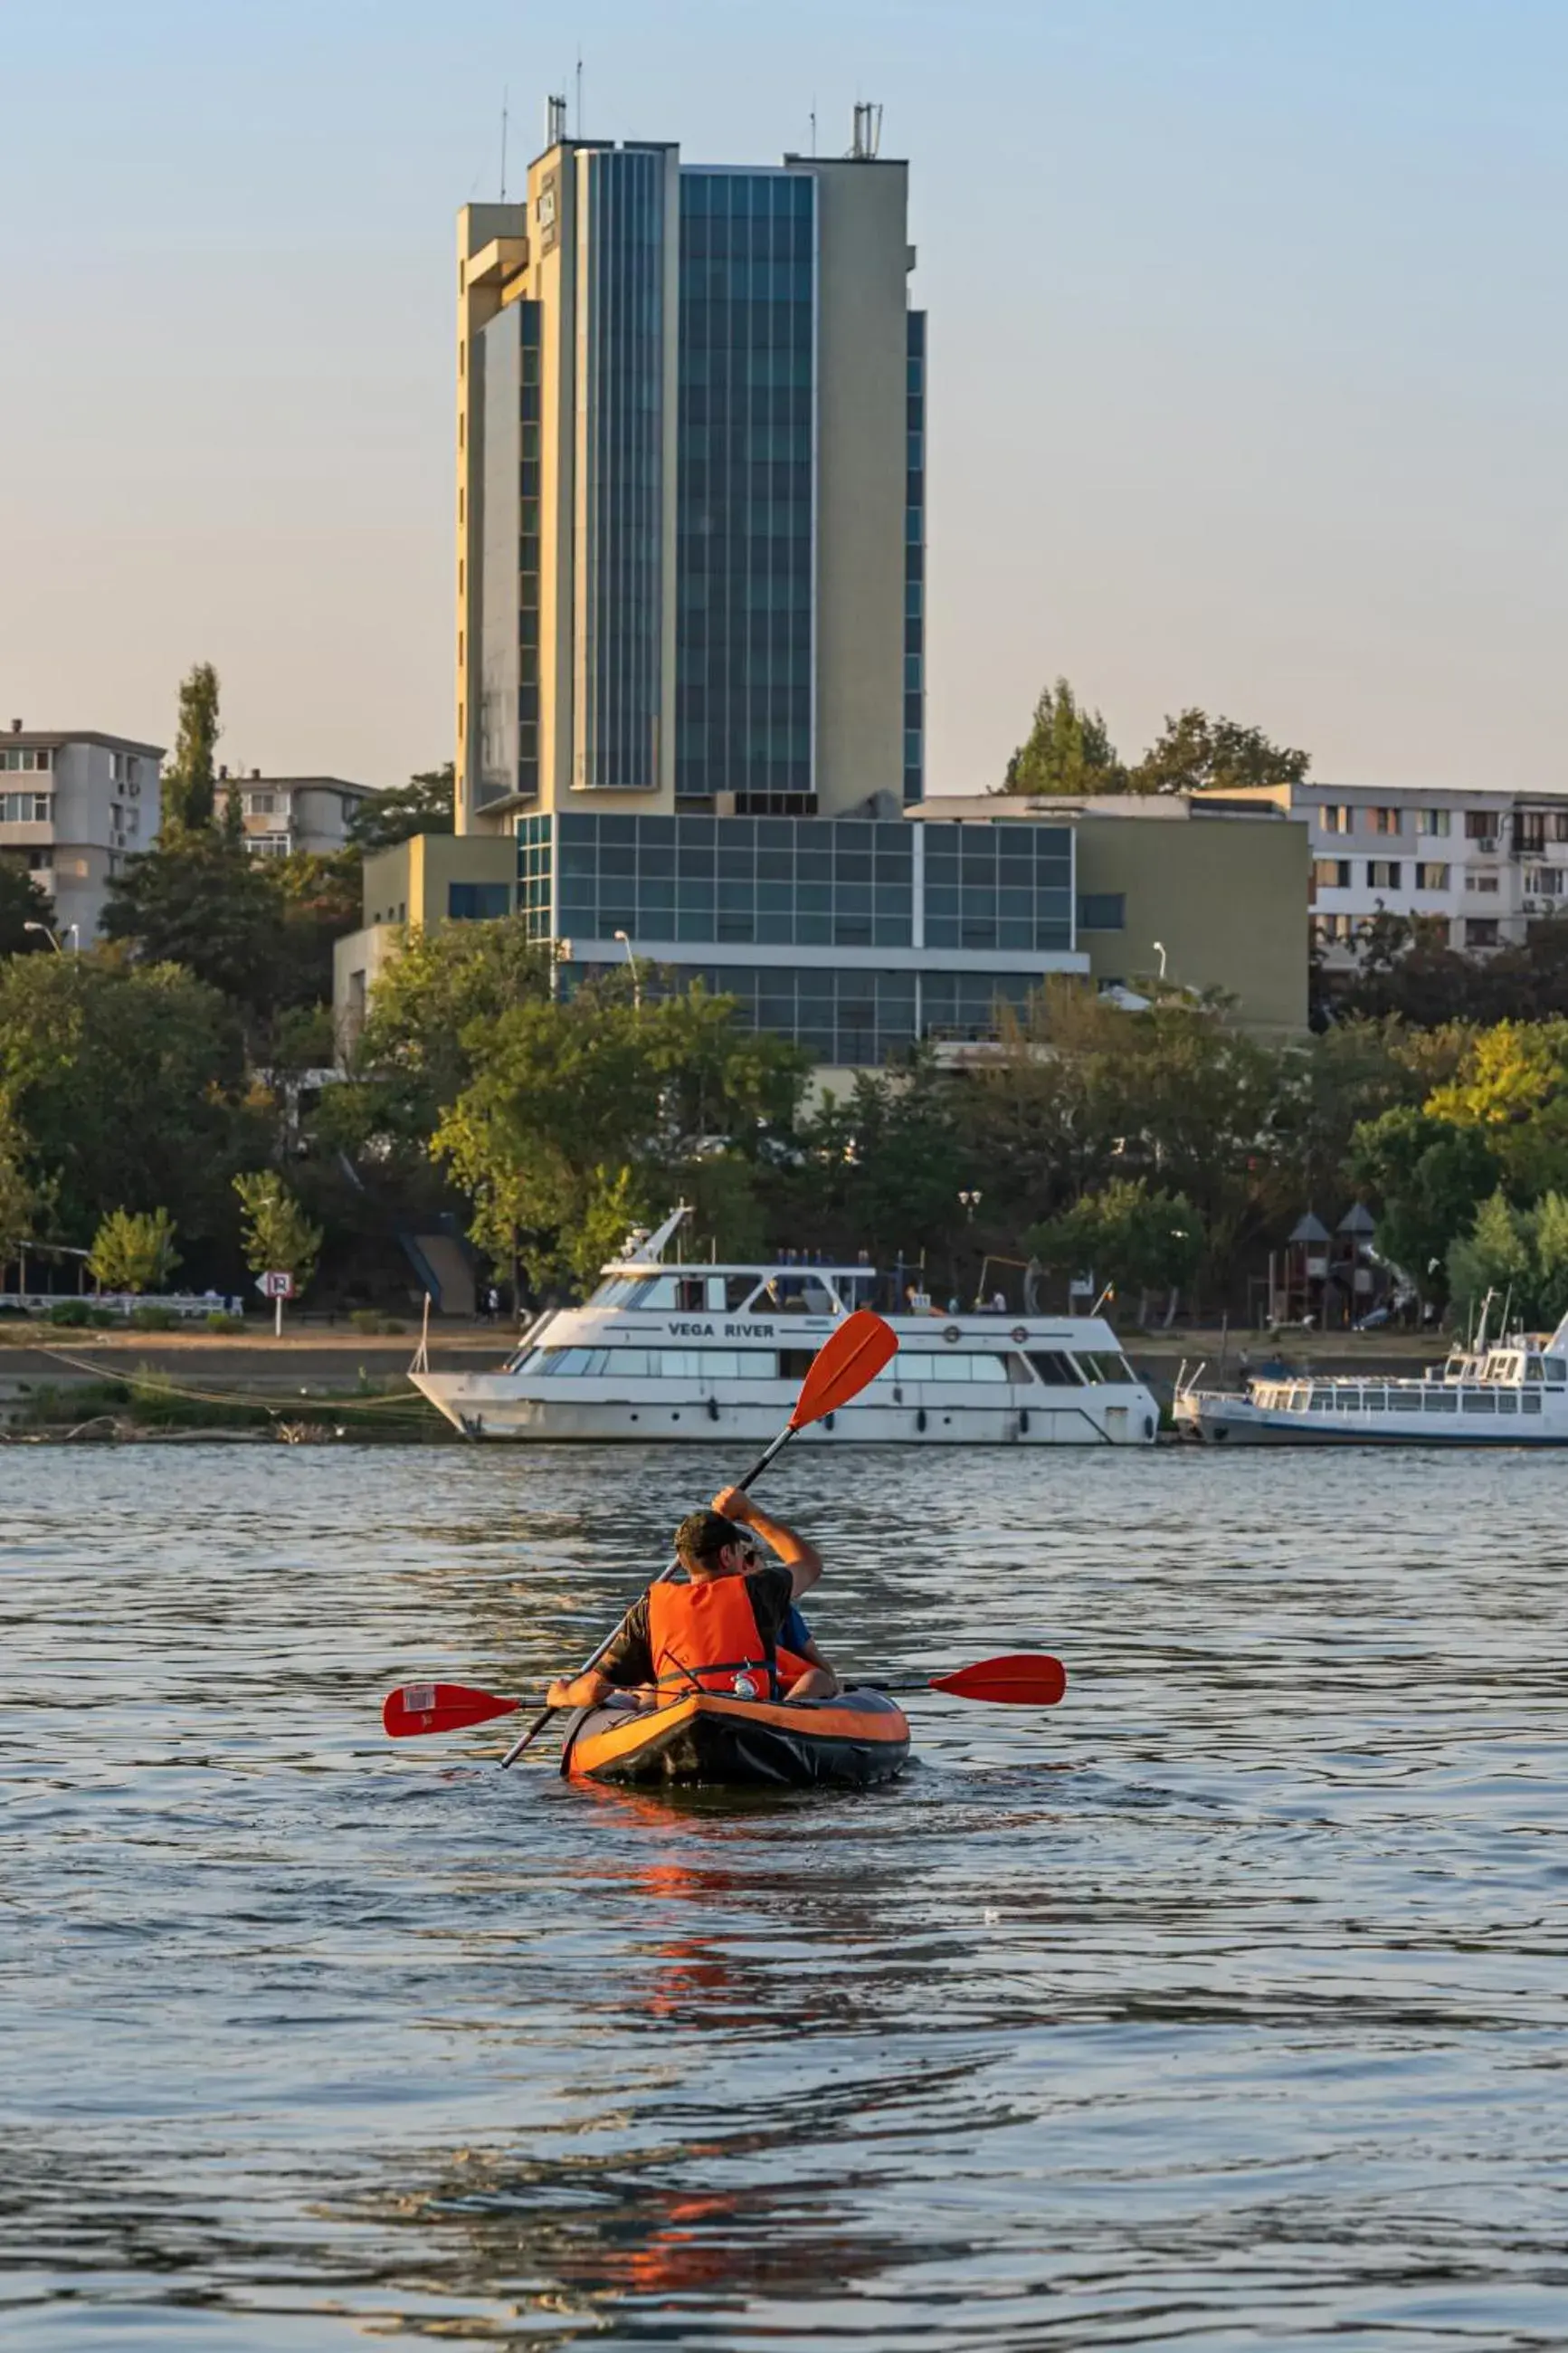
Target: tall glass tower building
[691,489]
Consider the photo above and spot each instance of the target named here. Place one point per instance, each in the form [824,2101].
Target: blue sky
[1248,350]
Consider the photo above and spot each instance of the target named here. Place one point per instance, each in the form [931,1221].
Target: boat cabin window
[656,1363]
[739,1289]
[796,1293]
[1477,1401]
[1104,1365]
[1322,1400]
[615,1290]
[1530,1401]
[1556,1371]
[915,1364]
[1055,1367]
[1534,1370]
[1442,1400]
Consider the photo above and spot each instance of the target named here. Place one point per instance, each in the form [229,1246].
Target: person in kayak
[726,1630]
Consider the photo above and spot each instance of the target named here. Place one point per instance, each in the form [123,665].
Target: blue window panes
[689,924]
[777,925]
[852,834]
[776,896]
[617,858]
[852,898]
[656,901]
[692,894]
[812,929]
[654,861]
[578,914]
[1102,911]
[734,924]
[656,832]
[1016,904]
[694,864]
[694,831]
[1014,932]
[775,833]
[573,828]
[736,865]
[814,898]
[893,931]
[775,865]
[816,990]
[942,899]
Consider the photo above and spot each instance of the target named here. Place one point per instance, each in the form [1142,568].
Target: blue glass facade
[815,884]
[506,415]
[915,563]
[621,536]
[745,504]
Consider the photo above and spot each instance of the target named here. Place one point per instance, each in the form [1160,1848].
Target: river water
[1222,2006]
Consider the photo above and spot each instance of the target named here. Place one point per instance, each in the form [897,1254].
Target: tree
[581,1116]
[880,1168]
[189,785]
[133,1250]
[278,1237]
[200,900]
[1196,753]
[125,1086]
[1135,1239]
[1511,1084]
[1067,750]
[424,804]
[18,1194]
[1522,1253]
[1428,1176]
[22,902]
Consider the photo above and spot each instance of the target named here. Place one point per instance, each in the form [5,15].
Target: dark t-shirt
[629,1658]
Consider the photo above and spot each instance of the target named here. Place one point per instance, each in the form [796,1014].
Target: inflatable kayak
[708,1740]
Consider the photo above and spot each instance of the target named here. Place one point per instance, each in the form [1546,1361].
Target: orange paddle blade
[440,1707]
[1028,1678]
[855,1354]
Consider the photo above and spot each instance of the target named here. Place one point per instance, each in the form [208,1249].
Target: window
[26,808]
[1330,929]
[1338,819]
[1481,932]
[1103,1365]
[1055,1367]
[1332,873]
[1435,822]
[1484,884]
[1482,825]
[27,762]
[1382,873]
[478,902]
[1102,911]
[260,803]
[1530,830]
[1544,881]
[1387,820]
[1429,877]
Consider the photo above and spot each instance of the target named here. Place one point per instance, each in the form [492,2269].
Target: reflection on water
[1222,2006]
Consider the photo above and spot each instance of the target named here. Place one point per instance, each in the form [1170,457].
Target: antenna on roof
[504,95]
[554,121]
[814,126]
[867,137]
[579,94]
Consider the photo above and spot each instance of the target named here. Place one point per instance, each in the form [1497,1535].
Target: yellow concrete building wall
[1226,896]
[408,882]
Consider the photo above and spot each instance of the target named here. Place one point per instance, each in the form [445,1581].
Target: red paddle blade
[440,1707]
[855,1354]
[1026,1679]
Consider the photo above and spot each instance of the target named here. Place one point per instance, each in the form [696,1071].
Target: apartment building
[690,447]
[74,805]
[1482,865]
[283,814]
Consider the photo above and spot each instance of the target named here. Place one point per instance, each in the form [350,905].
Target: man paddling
[724,1630]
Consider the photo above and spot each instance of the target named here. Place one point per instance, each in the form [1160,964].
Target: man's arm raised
[801,1560]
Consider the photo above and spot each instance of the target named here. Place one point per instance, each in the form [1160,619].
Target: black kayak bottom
[710,1741]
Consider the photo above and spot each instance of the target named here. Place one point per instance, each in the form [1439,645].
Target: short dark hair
[702,1536]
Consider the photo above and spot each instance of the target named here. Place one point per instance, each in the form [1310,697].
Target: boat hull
[709,1741]
[496,1405]
[1216,1419]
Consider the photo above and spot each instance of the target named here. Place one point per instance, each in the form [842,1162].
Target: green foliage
[69,1315]
[153,1319]
[1404,967]
[424,804]
[1068,749]
[1429,1177]
[199,898]
[220,1321]
[278,1237]
[134,1251]
[22,902]
[189,785]
[1520,1253]
[1129,1236]
[884,1164]
[1195,754]
[124,1086]
[586,1117]
[320,902]
[18,1193]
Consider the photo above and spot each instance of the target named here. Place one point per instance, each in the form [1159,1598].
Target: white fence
[189,1305]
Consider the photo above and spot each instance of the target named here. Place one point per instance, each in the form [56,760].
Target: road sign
[277,1285]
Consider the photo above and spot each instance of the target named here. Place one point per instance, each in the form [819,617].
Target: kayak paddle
[850,1358]
[1025,1679]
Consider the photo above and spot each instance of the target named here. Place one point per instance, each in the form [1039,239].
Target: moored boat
[695,1352]
[712,1740]
[1512,1392]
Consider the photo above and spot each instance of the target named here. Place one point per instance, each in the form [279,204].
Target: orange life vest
[704,1636]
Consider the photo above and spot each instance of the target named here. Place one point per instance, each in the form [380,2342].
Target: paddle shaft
[540,1720]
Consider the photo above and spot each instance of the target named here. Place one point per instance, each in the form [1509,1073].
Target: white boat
[1512,1392]
[665,1349]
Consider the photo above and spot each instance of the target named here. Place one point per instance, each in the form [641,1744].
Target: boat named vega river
[665,1349]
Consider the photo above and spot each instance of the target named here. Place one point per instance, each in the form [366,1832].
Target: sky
[1247,352]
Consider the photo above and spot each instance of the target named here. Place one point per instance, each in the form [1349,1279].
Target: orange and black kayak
[709,1740]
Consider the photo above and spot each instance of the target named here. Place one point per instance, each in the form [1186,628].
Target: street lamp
[971,1202]
[53,937]
[624,940]
[1160,951]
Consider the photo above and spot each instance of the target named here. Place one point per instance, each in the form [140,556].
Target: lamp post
[971,1202]
[53,937]
[1159,946]
[624,940]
